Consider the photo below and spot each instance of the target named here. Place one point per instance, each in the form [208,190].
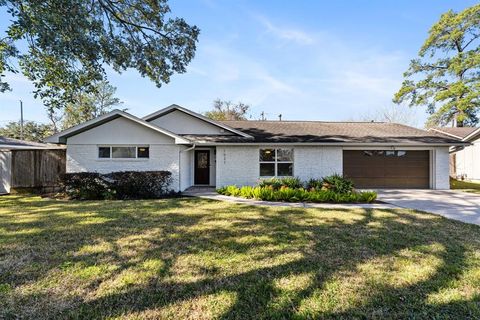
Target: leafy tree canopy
[227,110]
[32,131]
[69,42]
[89,105]
[446,76]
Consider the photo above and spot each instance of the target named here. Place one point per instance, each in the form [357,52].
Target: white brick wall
[317,162]
[237,165]
[240,165]
[84,158]
[441,167]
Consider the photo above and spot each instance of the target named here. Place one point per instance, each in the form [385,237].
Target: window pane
[143,152]
[123,152]
[104,152]
[390,153]
[401,153]
[267,154]
[267,169]
[285,169]
[284,154]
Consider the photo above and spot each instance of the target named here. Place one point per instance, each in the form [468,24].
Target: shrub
[314,184]
[140,184]
[268,193]
[337,183]
[277,183]
[368,196]
[118,185]
[87,186]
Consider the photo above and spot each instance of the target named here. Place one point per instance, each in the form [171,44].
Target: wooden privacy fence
[38,169]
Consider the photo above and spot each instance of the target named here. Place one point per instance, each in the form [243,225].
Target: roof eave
[61,137]
[172,107]
[337,144]
[471,135]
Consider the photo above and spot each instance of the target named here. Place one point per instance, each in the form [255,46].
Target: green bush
[277,183]
[337,183]
[314,184]
[286,194]
[118,185]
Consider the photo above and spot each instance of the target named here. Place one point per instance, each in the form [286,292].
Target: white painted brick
[317,162]
[237,165]
[240,165]
[441,167]
[84,158]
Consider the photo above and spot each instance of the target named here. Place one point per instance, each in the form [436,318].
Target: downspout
[179,164]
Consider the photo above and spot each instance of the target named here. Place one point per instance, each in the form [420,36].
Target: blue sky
[312,60]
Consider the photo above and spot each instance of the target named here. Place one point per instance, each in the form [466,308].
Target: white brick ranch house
[200,151]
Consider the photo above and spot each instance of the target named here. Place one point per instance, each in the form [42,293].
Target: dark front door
[202,166]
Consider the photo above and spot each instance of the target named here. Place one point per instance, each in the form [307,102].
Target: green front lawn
[466,186]
[201,259]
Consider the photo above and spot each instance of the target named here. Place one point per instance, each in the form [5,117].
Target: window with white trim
[123,152]
[276,162]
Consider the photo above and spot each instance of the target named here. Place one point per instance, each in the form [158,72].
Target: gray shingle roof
[11,143]
[460,132]
[327,132]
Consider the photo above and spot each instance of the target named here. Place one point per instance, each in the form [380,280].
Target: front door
[202,167]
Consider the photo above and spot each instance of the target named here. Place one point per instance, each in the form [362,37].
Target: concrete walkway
[210,193]
[451,204]
[458,205]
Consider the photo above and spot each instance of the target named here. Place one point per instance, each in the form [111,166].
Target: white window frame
[276,162]
[111,158]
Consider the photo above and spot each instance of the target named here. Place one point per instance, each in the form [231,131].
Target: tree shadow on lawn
[276,262]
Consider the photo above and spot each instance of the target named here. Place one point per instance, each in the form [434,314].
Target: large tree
[32,131]
[227,110]
[446,75]
[89,105]
[63,46]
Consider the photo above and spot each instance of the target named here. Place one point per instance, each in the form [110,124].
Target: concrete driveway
[452,204]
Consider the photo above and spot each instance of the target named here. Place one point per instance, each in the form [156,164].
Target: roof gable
[463,133]
[62,136]
[204,125]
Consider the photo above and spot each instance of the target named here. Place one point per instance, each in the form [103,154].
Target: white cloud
[284,33]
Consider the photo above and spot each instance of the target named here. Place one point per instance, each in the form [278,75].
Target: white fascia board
[445,133]
[471,135]
[168,109]
[87,125]
[333,144]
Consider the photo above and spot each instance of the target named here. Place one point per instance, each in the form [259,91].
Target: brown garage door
[387,169]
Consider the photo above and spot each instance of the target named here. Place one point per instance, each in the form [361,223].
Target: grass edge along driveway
[203,259]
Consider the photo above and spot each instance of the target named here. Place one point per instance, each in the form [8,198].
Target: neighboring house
[32,165]
[200,151]
[465,161]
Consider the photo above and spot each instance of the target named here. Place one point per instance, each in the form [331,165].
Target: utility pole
[21,120]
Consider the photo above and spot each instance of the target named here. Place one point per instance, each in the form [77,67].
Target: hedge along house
[203,152]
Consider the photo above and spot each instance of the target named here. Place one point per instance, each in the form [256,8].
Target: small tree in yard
[446,76]
[226,110]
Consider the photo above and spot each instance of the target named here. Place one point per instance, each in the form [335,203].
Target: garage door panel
[374,169]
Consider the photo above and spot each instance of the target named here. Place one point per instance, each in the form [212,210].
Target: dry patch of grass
[200,259]
[466,186]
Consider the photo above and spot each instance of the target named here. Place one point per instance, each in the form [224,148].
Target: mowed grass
[201,259]
[467,186]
